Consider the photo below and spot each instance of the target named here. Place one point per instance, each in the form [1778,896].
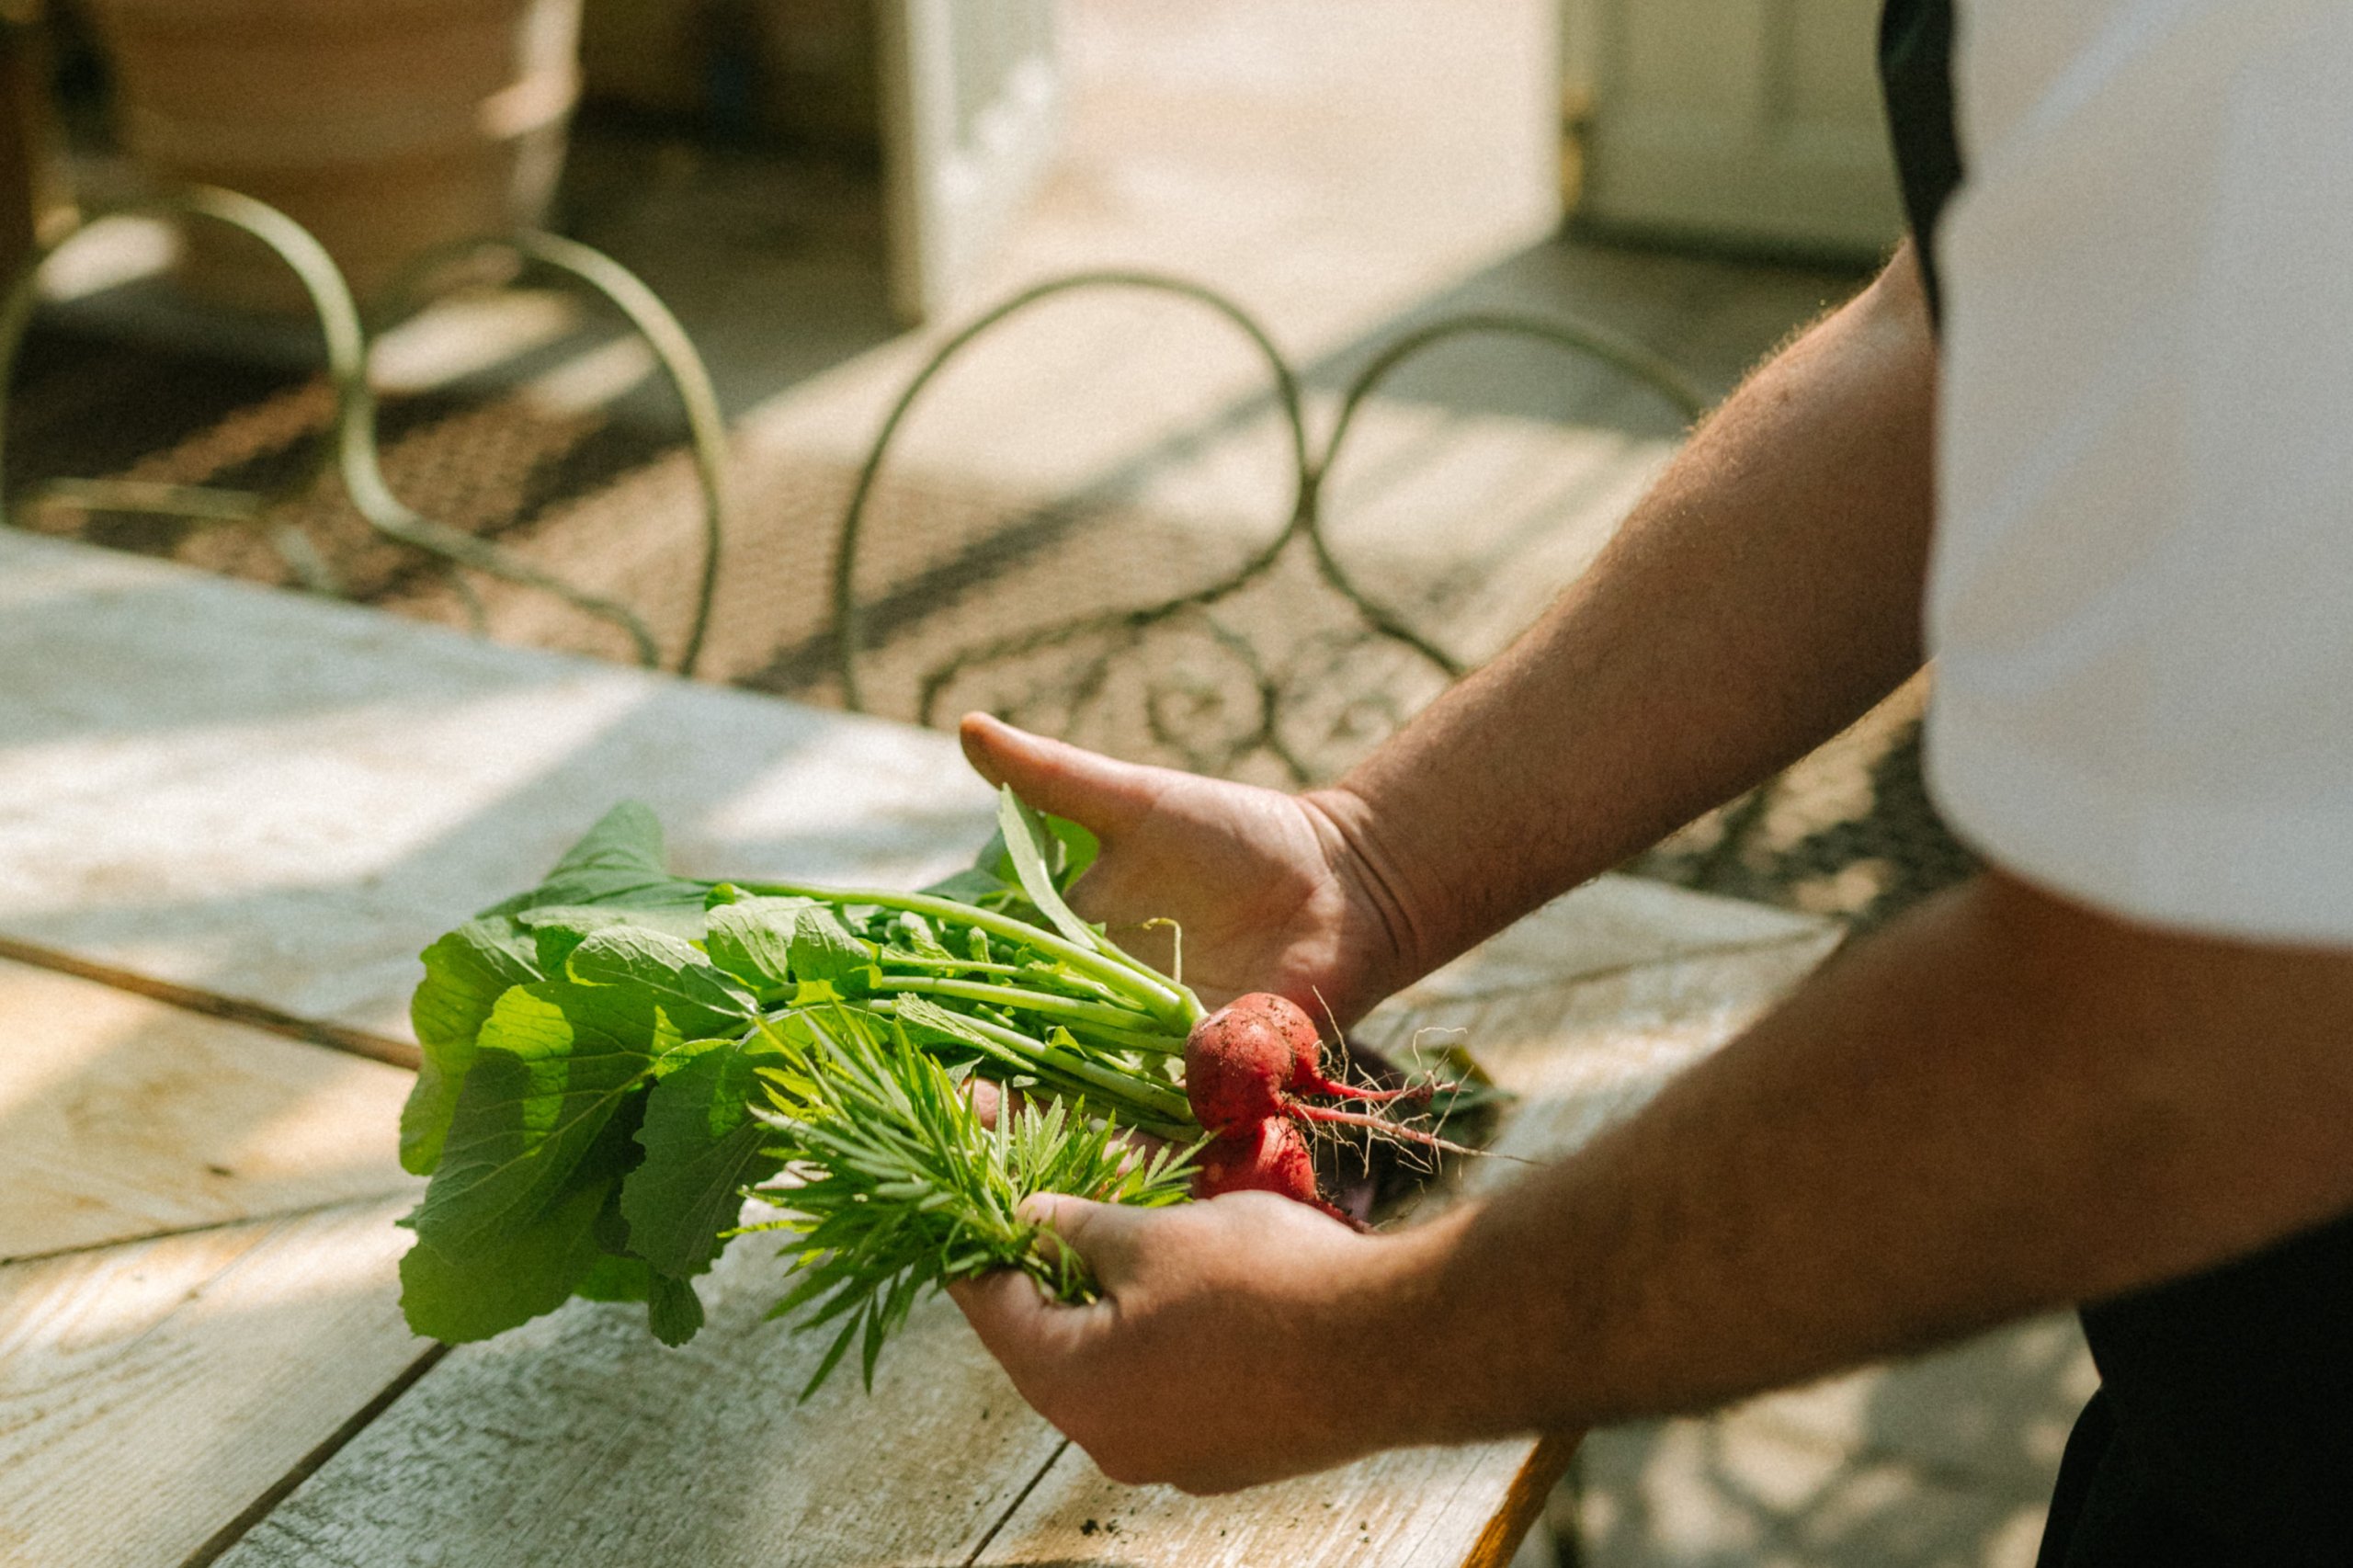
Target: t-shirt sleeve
[2141,598]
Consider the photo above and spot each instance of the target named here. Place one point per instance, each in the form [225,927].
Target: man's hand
[1235,1343]
[1270,889]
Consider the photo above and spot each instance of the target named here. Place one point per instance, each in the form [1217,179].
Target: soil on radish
[1254,1076]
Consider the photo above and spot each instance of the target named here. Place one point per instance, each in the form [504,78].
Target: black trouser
[2223,1431]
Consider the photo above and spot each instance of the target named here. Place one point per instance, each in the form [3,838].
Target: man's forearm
[2000,1103]
[1765,592]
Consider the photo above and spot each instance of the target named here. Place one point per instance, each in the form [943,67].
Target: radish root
[1252,1071]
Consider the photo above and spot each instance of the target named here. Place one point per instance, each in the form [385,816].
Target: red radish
[1247,1066]
[1270,1157]
[1238,1062]
[1253,1056]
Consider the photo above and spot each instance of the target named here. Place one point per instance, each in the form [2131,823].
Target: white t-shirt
[2141,600]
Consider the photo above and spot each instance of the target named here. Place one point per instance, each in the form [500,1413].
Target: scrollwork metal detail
[1332,693]
[349,450]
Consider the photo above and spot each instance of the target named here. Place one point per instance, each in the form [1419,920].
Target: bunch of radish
[616,1059]
[1254,1072]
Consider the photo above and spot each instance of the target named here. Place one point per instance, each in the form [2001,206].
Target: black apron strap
[1916,73]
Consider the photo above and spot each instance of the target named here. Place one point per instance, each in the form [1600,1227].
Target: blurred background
[1089,519]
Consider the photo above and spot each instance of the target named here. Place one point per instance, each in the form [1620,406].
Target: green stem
[1131,1091]
[1173,1003]
[1189,1006]
[1120,1018]
[1036,974]
[1128,1040]
[899,957]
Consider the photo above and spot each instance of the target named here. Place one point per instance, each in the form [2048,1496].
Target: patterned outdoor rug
[610,505]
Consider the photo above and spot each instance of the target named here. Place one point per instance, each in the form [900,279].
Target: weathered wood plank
[1611,925]
[120,1118]
[1415,1506]
[577,1440]
[212,1005]
[276,798]
[1580,1057]
[1584,1055]
[149,1393]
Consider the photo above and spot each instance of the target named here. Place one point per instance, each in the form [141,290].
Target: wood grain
[122,1117]
[1420,1506]
[579,1440]
[1582,1056]
[1611,925]
[276,798]
[149,1392]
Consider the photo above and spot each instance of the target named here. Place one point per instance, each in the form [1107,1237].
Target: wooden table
[230,818]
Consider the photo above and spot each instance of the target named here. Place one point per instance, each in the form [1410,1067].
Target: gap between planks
[82,1249]
[272,1492]
[278,1491]
[271,1020]
[212,1005]
[996,1528]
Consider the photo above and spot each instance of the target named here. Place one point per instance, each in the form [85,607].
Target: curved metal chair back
[1096,639]
[350,449]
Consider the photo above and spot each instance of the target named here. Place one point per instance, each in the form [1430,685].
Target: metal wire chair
[349,450]
[1096,639]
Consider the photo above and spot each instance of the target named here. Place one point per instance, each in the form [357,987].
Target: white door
[972,104]
[1750,123]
